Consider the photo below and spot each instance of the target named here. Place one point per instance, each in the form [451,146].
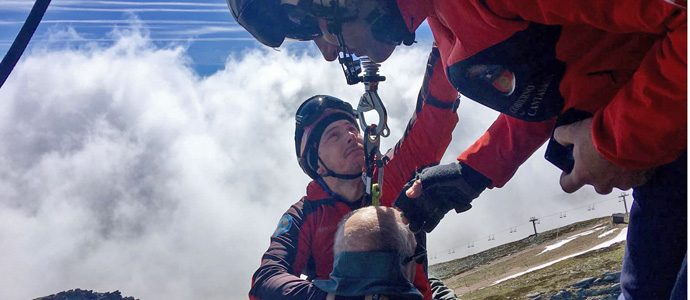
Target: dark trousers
[657,234]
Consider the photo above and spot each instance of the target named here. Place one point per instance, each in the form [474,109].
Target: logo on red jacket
[284,225]
[497,76]
[505,82]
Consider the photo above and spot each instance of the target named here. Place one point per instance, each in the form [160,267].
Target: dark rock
[604,287]
[611,290]
[611,276]
[535,296]
[584,283]
[78,294]
[563,295]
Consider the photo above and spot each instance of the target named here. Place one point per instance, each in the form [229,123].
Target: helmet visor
[300,25]
[310,110]
[268,21]
[304,14]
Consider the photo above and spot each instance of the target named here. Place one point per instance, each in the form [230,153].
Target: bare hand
[413,192]
[590,167]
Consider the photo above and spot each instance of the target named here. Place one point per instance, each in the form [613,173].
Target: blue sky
[206,28]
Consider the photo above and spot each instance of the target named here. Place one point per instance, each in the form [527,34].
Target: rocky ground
[604,287]
[592,275]
[78,294]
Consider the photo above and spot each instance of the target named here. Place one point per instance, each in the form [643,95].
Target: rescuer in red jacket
[329,149]
[616,71]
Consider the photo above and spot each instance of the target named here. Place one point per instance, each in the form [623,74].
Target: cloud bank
[122,169]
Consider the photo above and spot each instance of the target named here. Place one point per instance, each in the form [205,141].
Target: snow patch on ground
[566,240]
[607,233]
[620,237]
[597,227]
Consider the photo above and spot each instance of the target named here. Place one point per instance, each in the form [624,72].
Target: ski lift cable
[576,208]
[22,40]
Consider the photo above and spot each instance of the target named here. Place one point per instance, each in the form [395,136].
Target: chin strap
[330,173]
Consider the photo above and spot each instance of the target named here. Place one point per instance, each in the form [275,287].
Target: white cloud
[120,168]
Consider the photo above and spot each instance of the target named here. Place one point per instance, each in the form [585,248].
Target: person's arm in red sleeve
[277,277]
[426,138]
[646,123]
[428,133]
[491,161]
[507,144]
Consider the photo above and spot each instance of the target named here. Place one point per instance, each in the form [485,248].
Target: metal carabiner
[370,100]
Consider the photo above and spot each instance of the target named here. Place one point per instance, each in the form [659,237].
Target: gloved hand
[444,187]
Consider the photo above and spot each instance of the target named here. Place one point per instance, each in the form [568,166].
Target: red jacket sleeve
[426,138]
[505,146]
[428,133]
[278,275]
[645,125]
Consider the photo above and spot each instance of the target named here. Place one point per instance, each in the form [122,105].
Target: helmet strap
[351,67]
[330,173]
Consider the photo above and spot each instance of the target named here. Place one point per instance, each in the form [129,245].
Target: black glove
[444,187]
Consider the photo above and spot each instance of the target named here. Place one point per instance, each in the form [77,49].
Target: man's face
[341,148]
[358,38]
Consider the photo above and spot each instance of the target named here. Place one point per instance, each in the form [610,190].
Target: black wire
[22,39]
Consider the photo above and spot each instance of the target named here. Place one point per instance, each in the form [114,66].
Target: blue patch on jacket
[284,225]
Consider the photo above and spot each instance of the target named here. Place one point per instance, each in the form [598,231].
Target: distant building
[618,218]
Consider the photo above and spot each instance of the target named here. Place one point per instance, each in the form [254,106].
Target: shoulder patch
[284,225]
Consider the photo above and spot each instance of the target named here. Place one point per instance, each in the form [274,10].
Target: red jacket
[624,61]
[303,242]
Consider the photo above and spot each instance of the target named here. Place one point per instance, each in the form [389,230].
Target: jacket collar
[318,190]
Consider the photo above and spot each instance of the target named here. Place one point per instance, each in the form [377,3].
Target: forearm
[274,282]
[428,133]
[505,146]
